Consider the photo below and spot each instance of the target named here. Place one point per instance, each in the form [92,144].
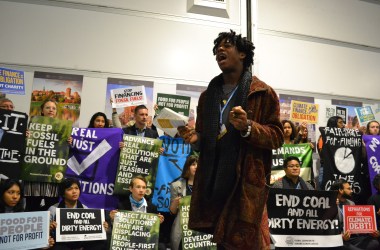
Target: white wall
[314,46]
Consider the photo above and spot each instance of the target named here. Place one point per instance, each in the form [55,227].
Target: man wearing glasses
[292,179]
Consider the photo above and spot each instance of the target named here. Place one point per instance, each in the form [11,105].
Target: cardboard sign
[126,97]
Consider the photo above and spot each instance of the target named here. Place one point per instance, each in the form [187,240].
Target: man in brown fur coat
[237,127]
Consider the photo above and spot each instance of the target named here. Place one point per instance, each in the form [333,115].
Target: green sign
[177,103]
[139,156]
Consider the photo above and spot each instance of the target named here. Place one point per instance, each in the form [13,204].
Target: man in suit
[140,127]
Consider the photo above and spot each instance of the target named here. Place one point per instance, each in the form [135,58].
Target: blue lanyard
[225,105]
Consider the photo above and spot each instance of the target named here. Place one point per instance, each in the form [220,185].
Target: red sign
[359,219]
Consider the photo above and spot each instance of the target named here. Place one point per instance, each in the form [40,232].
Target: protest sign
[27,230]
[133,230]
[93,160]
[303,111]
[192,239]
[343,113]
[80,224]
[12,142]
[302,151]
[12,81]
[365,115]
[341,156]
[46,150]
[139,156]
[126,97]
[359,219]
[168,121]
[177,103]
[169,170]
[303,218]
[372,145]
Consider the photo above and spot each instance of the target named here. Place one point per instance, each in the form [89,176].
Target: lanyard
[225,105]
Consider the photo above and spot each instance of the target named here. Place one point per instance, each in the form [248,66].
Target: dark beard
[346,196]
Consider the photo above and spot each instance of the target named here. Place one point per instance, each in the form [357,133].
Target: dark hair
[303,140]
[242,45]
[355,121]
[369,124]
[46,101]
[376,182]
[332,122]
[65,184]
[338,184]
[290,158]
[139,177]
[137,108]
[186,168]
[4,186]
[93,118]
[294,132]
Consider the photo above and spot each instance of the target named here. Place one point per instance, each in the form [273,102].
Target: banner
[93,160]
[304,112]
[192,239]
[138,157]
[372,146]
[343,113]
[304,153]
[12,143]
[170,168]
[303,218]
[133,230]
[341,156]
[12,81]
[46,150]
[365,115]
[27,230]
[177,103]
[80,224]
[359,219]
[127,97]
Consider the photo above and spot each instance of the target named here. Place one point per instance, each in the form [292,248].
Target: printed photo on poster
[65,89]
[125,114]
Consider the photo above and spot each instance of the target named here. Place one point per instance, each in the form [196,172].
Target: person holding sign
[7,104]
[236,130]
[289,131]
[292,178]
[140,128]
[136,201]
[178,189]
[332,122]
[47,192]
[11,192]
[352,241]
[69,191]
[99,120]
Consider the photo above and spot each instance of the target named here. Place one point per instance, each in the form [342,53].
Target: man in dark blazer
[140,126]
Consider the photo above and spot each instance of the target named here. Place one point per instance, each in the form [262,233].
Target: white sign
[132,96]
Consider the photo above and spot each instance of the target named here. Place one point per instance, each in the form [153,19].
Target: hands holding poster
[168,121]
[303,218]
[24,230]
[359,219]
[79,224]
[139,156]
[46,149]
[133,230]
[126,97]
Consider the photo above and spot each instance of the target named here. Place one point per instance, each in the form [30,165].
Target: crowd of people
[236,130]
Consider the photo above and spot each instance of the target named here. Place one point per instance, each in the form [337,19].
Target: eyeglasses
[294,166]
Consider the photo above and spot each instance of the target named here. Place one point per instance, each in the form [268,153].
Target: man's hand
[238,118]
[346,235]
[188,134]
